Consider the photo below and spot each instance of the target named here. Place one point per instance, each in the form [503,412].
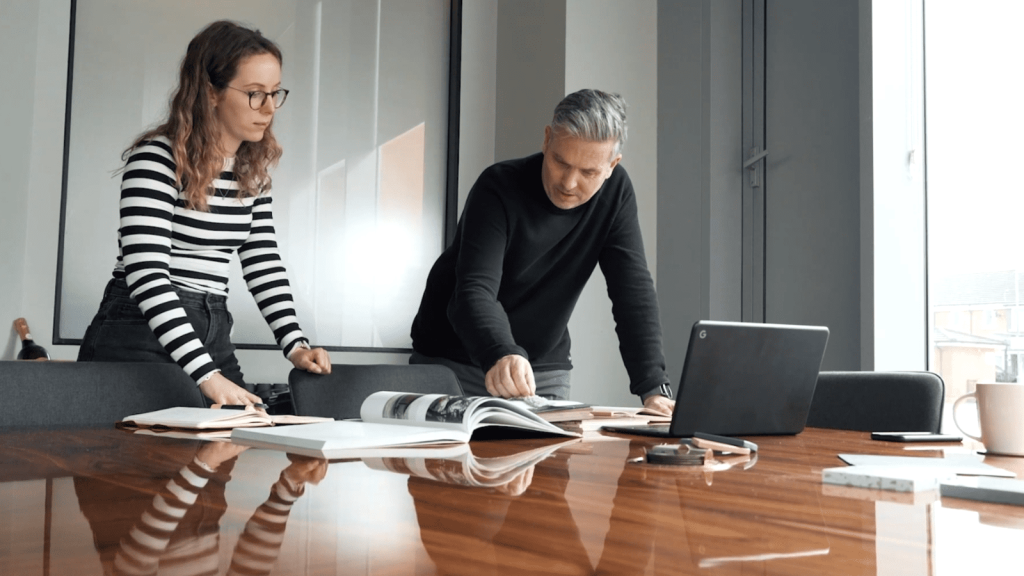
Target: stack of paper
[965,464]
[906,473]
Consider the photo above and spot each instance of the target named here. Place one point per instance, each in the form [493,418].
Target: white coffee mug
[1001,414]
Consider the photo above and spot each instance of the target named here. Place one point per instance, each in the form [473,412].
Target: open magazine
[465,413]
[401,419]
[461,467]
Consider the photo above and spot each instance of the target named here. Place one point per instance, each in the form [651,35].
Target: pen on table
[241,406]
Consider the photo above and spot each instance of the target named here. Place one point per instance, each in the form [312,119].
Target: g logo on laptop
[703,334]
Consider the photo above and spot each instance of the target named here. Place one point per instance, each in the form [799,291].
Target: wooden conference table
[95,501]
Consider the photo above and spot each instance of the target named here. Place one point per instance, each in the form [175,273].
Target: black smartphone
[915,437]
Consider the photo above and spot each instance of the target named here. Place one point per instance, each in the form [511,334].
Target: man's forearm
[483,328]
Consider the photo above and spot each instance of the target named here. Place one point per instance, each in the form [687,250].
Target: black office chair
[89,393]
[878,401]
[340,394]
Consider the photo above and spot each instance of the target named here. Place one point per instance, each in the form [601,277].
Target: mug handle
[956,405]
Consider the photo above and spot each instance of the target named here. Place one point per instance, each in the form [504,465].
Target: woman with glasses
[194,191]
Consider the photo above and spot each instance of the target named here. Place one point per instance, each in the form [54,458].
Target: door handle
[756,155]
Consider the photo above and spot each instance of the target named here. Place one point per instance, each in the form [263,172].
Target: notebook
[744,379]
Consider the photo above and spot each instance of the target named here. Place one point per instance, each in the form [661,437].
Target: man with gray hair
[497,303]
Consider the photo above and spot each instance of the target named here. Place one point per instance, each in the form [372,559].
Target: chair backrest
[878,401]
[341,393]
[89,393]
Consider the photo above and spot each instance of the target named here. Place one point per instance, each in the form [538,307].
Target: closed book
[996,490]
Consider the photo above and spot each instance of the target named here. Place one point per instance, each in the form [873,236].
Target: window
[975,249]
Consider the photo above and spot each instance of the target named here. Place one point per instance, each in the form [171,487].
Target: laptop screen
[748,379]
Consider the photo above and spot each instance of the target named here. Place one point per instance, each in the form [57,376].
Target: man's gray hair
[593,115]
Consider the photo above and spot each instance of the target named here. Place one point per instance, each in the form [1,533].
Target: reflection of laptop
[784,533]
[744,379]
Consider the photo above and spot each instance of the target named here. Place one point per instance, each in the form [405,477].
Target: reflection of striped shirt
[145,550]
[161,243]
[144,546]
[260,543]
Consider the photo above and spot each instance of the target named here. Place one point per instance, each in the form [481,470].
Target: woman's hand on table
[315,360]
[224,391]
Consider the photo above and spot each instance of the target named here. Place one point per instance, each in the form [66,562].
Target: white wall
[18,23]
[33,157]
[479,89]
[530,80]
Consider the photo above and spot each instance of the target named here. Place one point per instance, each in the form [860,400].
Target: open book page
[181,418]
[466,413]
[408,409]
[197,419]
[465,469]
[500,412]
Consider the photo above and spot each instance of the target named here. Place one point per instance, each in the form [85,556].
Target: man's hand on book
[315,360]
[224,391]
[660,405]
[511,377]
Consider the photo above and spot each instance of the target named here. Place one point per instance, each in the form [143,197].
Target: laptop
[744,379]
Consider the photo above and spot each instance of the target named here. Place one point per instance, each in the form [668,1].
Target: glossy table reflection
[101,501]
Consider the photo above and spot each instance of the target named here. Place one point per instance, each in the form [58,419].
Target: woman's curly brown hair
[210,63]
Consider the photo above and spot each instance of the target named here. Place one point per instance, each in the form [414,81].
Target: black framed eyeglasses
[257,98]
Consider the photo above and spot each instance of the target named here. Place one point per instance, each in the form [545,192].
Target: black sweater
[511,278]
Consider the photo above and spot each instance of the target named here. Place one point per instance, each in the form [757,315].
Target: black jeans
[119,332]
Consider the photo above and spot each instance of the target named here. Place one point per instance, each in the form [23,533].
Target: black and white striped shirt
[161,244]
